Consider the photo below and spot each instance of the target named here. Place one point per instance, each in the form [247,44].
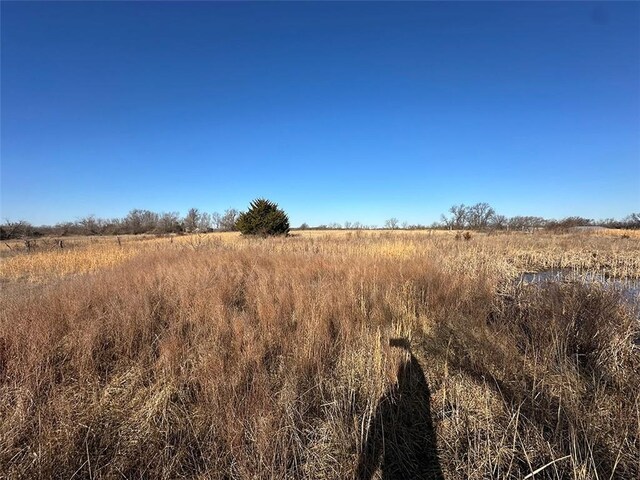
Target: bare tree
[632,221]
[191,220]
[204,222]
[447,222]
[140,221]
[90,225]
[479,216]
[17,229]
[216,218]
[391,223]
[524,223]
[498,222]
[458,219]
[169,222]
[228,220]
[459,216]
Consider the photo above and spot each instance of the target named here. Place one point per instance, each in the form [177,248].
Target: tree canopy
[264,218]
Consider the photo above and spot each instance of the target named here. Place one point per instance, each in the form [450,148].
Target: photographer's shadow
[401,438]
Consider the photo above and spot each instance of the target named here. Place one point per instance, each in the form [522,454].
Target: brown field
[218,356]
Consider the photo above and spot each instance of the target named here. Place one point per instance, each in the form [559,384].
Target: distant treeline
[137,221]
[480,216]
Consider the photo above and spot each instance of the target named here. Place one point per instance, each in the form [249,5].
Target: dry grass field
[324,355]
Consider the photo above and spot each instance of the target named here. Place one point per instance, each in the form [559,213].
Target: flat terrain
[366,354]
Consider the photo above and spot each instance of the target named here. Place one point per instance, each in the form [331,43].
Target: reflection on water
[629,288]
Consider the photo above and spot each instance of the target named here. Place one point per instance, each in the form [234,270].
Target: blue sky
[337,111]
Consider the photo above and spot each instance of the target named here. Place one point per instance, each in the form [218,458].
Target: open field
[218,356]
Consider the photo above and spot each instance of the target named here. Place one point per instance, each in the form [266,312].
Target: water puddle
[628,288]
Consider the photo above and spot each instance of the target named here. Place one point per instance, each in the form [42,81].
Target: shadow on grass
[401,438]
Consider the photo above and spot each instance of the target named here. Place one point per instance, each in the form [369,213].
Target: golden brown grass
[606,251]
[218,356]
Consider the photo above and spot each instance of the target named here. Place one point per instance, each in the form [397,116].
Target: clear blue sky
[337,111]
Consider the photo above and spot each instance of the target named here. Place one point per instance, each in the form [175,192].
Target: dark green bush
[263,218]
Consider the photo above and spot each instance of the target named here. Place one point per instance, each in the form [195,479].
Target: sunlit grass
[221,356]
[606,252]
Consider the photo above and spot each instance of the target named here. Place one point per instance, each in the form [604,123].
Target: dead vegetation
[270,358]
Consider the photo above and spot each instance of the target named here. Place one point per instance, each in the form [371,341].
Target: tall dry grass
[224,357]
[609,251]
